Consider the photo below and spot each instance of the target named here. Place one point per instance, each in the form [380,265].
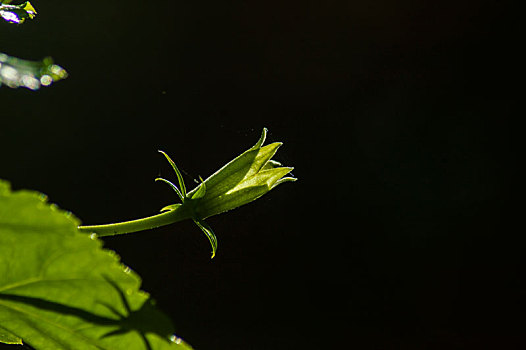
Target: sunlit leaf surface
[15,72]
[59,290]
[16,13]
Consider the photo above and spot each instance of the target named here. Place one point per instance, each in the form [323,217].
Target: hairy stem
[178,214]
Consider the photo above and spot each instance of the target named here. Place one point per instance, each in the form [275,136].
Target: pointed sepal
[209,234]
[172,186]
[170,207]
[177,172]
[200,192]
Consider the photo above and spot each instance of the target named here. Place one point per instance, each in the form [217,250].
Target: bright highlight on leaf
[59,290]
[16,14]
[15,72]
[241,181]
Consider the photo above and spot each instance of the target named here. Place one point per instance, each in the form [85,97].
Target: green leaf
[59,290]
[8,337]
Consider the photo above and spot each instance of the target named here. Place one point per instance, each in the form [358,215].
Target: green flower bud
[241,181]
[244,179]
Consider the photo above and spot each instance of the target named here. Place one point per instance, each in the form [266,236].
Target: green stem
[180,213]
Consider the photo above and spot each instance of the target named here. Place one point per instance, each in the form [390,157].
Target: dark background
[401,231]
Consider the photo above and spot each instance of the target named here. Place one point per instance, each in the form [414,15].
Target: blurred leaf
[59,290]
[15,72]
[16,14]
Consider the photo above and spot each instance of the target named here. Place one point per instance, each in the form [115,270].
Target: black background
[401,231]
